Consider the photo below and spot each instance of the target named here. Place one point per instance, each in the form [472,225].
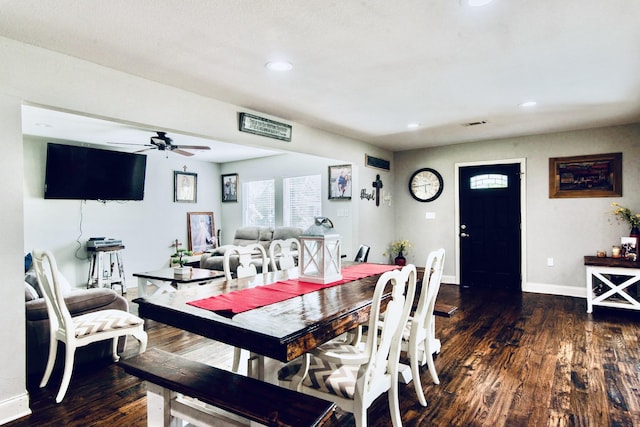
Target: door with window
[490,237]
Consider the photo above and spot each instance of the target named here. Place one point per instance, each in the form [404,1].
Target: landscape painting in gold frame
[595,175]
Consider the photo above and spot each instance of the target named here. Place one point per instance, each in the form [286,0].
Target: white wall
[563,229]
[147,228]
[33,75]
[343,213]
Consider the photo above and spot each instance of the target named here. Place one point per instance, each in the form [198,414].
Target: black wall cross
[377,184]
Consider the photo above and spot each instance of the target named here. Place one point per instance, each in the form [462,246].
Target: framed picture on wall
[597,175]
[185,187]
[340,182]
[230,187]
[200,227]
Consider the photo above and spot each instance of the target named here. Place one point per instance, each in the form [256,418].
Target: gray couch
[212,259]
[79,301]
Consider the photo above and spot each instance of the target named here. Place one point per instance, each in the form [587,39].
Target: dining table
[280,331]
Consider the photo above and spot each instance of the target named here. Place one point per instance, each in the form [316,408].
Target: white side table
[612,282]
[103,273]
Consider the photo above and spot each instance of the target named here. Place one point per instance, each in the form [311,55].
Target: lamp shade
[320,254]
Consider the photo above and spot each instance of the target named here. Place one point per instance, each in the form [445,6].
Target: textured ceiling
[366,69]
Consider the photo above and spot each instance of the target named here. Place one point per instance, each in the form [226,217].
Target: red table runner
[248,299]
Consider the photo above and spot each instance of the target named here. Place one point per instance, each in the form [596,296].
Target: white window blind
[302,200]
[258,200]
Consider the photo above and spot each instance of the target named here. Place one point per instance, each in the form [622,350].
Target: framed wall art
[200,228]
[185,187]
[230,187]
[597,175]
[340,182]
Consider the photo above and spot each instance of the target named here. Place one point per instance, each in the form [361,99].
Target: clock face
[425,185]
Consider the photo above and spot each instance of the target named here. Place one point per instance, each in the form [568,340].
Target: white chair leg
[428,353]
[394,405]
[142,337]
[51,361]
[360,415]
[114,349]
[68,369]
[415,373]
[237,354]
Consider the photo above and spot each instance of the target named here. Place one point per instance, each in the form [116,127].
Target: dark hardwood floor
[507,360]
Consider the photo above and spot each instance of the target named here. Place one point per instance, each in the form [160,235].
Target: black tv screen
[84,173]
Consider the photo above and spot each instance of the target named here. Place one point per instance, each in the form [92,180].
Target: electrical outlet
[549,262]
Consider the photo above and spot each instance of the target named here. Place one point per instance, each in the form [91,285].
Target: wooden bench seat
[168,374]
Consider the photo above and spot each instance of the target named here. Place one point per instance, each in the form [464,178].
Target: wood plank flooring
[507,360]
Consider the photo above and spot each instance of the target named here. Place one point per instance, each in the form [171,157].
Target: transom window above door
[486,181]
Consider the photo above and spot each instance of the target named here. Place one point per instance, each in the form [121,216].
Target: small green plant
[178,257]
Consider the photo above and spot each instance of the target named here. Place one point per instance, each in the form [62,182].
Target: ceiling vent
[480,122]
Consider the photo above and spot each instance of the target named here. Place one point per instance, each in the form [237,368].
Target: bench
[168,375]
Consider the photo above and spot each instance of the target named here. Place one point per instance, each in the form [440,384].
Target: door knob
[464,235]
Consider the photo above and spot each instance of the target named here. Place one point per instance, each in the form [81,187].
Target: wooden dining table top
[282,330]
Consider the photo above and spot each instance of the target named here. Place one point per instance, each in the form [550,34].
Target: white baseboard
[551,289]
[14,408]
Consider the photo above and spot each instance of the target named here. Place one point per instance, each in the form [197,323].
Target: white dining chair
[283,253]
[246,268]
[80,330]
[245,256]
[353,376]
[418,337]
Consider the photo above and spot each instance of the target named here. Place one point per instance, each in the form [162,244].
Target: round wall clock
[425,185]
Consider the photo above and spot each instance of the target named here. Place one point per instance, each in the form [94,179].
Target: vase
[635,232]
[400,259]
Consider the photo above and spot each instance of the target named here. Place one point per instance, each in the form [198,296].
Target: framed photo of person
[200,227]
[230,187]
[185,187]
[340,182]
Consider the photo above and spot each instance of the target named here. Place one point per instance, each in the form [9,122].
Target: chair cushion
[104,320]
[332,378]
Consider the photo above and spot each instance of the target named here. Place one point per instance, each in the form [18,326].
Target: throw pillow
[28,260]
[30,278]
[29,292]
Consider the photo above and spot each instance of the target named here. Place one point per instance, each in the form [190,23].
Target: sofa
[78,301]
[244,236]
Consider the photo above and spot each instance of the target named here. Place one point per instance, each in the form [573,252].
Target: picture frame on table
[629,247]
[340,182]
[200,228]
[185,187]
[597,175]
[230,187]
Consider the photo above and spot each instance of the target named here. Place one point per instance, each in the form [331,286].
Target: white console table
[612,282]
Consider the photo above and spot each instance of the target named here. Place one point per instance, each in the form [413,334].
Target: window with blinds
[302,200]
[258,201]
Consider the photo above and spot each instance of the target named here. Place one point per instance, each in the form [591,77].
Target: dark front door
[489,231]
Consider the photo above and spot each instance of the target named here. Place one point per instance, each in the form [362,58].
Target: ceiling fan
[162,142]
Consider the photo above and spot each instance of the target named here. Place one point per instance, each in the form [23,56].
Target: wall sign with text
[264,127]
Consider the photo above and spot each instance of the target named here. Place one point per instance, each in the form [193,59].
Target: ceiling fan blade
[145,149]
[179,151]
[193,147]
[129,143]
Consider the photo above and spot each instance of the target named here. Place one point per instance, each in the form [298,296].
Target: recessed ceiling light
[476,3]
[414,125]
[279,65]
[528,104]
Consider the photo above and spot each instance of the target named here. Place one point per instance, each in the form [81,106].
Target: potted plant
[178,258]
[399,248]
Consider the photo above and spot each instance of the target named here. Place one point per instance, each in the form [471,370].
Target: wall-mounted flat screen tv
[84,173]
